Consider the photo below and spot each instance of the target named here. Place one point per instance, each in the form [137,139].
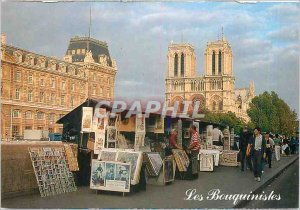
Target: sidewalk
[230,180]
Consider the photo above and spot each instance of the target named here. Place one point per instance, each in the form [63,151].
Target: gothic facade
[37,90]
[215,89]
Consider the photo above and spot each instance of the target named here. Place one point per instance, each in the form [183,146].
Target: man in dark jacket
[258,144]
[243,143]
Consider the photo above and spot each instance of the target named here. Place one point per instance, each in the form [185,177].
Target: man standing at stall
[258,143]
[243,143]
[172,140]
[194,146]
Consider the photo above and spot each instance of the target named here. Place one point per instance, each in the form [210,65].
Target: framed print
[87,119]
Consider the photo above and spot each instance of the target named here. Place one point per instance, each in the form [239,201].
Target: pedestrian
[243,143]
[258,143]
[285,148]
[194,146]
[269,148]
[217,137]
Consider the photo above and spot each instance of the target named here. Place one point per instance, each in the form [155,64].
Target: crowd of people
[256,149]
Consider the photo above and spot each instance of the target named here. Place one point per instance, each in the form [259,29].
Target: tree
[229,119]
[271,113]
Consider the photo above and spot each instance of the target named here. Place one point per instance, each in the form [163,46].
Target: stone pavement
[229,180]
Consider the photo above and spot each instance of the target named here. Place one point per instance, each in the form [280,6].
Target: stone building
[215,89]
[37,90]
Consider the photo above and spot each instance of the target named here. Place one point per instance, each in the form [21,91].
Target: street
[229,180]
[288,186]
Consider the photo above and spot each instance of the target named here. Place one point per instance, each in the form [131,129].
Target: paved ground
[288,186]
[229,180]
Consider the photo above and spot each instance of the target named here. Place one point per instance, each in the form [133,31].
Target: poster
[111,176]
[71,156]
[99,124]
[135,159]
[107,155]
[159,124]
[87,117]
[140,123]
[169,169]
[99,142]
[111,133]
[139,140]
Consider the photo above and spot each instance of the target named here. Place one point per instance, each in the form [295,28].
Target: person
[194,146]
[269,148]
[258,143]
[243,143]
[217,137]
[172,140]
[293,145]
[285,148]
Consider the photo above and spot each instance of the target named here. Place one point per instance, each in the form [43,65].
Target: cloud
[264,39]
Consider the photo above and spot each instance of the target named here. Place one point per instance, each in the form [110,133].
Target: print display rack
[52,171]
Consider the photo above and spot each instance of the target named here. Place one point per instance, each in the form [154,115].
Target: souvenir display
[169,169]
[100,122]
[107,155]
[277,152]
[112,176]
[153,163]
[99,142]
[209,137]
[179,133]
[136,160]
[71,157]
[206,162]
[140,123]
[215,153]
[87,118]
[181,158]
[51,170]
[229,158]
[159,125]
[139,140]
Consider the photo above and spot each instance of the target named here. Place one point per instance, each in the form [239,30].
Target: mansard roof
[88,44]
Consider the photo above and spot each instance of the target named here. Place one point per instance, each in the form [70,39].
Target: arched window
[213,63]
[220,105]
[182,65]
[214,106]
[176,65]
[220,62]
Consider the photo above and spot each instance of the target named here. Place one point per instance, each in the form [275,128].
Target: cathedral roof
[77,44]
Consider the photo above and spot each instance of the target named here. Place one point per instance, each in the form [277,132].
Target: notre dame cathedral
[216,88]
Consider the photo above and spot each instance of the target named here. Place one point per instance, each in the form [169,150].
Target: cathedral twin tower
[215,89]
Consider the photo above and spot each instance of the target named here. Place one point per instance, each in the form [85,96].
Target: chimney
[3,39]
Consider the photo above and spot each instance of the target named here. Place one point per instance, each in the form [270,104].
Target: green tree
[271,113]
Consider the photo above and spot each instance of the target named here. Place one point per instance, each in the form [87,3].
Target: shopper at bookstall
[217,137]
[243,143]
[258,143]
[269,148]
[172,140]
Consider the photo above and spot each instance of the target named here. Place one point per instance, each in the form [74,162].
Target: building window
[213,63]
[220,62]
[28,127]
[52,117]
[16,114]
[28,115]
[182,65]
[40,128]
[83,51]
[30,78]
[63,85]
[17,94]
[220,105]
[214,106]
[176,65]
[94,89]
[18,76]
[73,87]
[72,101]
[52,83]
[52,98]
[40,115]
[15,130]
[42,82]
[42,96]
[62,100]
[94,76]
[30,96]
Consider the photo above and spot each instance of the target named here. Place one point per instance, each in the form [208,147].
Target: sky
[264,39]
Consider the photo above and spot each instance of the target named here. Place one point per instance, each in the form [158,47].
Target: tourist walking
[243,143]
[269,148]
[258,143]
